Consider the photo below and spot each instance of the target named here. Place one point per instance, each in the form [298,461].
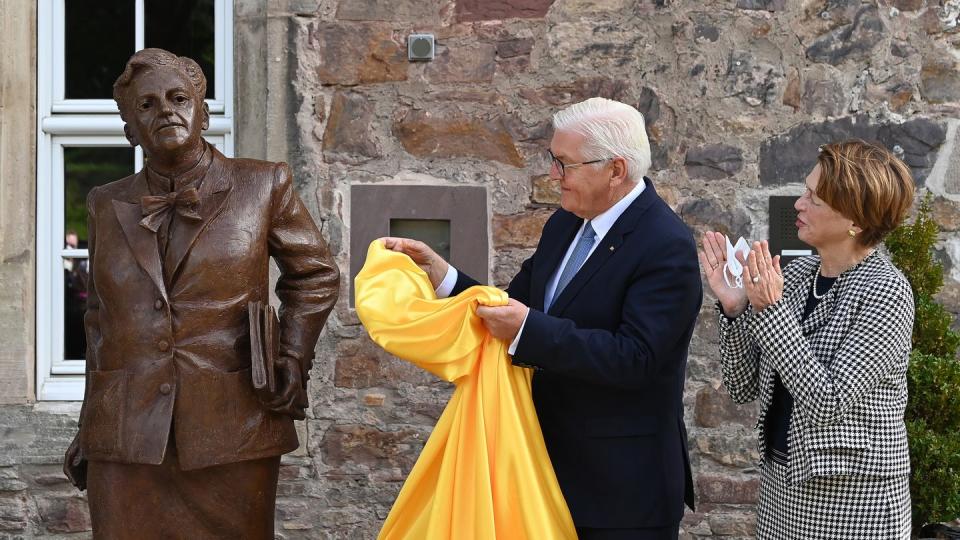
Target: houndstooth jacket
[845,367]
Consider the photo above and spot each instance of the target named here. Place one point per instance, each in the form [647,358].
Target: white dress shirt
[601,226]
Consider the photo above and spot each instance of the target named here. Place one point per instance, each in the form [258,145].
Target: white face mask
[733,267]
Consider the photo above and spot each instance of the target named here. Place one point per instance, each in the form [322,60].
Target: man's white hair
[610,129]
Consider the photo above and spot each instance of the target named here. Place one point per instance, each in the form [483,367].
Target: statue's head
[160,97]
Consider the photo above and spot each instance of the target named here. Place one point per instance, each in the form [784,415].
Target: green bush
[935,459]
[933,378]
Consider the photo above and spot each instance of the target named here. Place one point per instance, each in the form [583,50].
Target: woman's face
[819,225]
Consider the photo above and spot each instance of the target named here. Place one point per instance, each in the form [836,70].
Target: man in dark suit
[173,440]
[603,311]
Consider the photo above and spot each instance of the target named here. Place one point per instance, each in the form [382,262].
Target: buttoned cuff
[449,282]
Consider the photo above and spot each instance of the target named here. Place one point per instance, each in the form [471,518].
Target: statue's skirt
[143,502]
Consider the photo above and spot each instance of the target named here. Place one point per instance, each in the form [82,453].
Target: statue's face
[167,115]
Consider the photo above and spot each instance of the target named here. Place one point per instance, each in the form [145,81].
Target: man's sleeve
[309,278]
[660,306]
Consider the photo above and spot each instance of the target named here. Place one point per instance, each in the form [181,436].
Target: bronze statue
[174,442]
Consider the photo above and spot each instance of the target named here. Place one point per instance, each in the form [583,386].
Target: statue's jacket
[168,347]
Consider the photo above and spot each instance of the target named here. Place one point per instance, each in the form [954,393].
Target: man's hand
[291,397]
[75,464]
[427,259]
[503,322]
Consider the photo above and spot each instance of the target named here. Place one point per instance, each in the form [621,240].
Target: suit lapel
[142,241]
[624,225]
[213,194]
[554,249]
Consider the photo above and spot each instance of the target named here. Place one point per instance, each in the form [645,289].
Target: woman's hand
[763,279]
[713,259]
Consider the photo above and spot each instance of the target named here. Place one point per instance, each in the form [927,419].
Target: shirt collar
[160,184]
[604,222]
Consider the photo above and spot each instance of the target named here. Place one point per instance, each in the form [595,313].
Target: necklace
[813,288]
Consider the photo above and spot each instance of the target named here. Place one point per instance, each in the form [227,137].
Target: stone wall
[737,95]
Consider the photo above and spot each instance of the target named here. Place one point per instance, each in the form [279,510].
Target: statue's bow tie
[156,207]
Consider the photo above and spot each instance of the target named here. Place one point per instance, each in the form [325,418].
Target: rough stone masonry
[737,95]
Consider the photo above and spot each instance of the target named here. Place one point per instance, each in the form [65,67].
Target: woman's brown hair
[866,183]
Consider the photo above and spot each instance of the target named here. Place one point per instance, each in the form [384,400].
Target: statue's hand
[291,397]
[75,465]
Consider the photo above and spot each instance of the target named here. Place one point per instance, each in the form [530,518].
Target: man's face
[166,115]
[585,191]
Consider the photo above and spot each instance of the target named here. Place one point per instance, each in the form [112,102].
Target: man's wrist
[438,271]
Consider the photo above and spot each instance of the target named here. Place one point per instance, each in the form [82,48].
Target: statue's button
[163,346]
[165,388]
[158,304]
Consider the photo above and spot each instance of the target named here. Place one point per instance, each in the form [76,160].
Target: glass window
[432,232]
[82,47]
[185,28]
[99,36]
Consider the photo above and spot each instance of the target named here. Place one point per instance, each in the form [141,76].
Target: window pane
[432,232]
[99,39]
[84,168]
[185,28]
[75,305]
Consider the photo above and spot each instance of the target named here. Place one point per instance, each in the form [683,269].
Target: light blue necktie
[576,260]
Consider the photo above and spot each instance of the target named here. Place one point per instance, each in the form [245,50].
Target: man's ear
[206,116]
[619,175]
[128,133]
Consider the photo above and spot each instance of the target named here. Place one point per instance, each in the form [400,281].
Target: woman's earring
[852,233]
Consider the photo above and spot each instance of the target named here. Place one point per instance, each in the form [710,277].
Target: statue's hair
[150,58]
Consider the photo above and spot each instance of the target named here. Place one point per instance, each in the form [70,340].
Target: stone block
[519,230]
[362,364]
[727,489]
[456,135]
[357,53]
[366,448]
[713,215]
[762,5]
[850,42]
[789,157]
[510,48]
[715,408]
[824,96]
[487,10]
[940,80]
[726,447]
[947,214]
[546,190]
[349,135]
[908,5]
[426,12]
[64,514]
[463,64]
[713,161]
[752,78]
[13,513]
[791,93]
[10,480]
[736,525]
[578,90]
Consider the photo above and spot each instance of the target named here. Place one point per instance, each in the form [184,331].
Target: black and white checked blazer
[845,367]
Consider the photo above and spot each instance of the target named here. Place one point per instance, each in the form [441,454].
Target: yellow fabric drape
[484,472]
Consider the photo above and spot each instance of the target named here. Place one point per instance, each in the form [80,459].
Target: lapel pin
[611,248]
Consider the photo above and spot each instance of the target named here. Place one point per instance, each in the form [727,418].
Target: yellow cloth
[484,472]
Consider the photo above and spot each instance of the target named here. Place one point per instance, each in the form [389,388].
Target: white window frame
[90,122]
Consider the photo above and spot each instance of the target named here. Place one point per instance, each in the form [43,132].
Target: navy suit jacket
[610,358]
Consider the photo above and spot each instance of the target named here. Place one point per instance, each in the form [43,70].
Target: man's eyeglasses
[561,166]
